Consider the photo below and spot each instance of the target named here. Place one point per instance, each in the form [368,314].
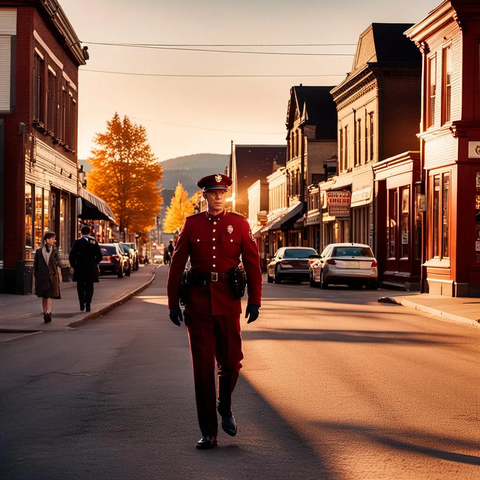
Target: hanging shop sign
[338,203]
[473,149]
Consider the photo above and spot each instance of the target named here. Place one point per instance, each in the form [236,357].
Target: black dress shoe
[88,307]
[82,307]
[229,425]
[207,442]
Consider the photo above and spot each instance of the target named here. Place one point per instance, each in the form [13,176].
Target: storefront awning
[289,218]
[91,207]
[273,218]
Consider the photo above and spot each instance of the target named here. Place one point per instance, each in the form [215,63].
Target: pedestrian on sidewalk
[166,256]
[46,269]
[84,259]
[214,240]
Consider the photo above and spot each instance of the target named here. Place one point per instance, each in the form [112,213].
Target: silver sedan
[344,264]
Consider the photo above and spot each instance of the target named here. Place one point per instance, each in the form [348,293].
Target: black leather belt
[203,278]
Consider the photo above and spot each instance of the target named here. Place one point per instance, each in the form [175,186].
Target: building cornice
[64,27]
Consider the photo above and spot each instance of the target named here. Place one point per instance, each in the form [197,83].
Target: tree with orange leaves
[126,174]
[180,208]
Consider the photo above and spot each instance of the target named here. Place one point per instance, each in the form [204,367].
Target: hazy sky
[185,115]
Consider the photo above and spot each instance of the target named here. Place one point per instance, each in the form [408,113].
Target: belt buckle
[214,276]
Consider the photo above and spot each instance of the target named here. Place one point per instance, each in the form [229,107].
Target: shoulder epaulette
[195,214]
[238,214]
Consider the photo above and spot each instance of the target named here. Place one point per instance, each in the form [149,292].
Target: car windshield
[126,247]
[108,249]
[352,252]
[299,252]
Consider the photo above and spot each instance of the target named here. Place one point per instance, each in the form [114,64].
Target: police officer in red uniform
[216,241]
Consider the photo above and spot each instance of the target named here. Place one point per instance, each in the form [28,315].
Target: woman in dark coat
[46,267]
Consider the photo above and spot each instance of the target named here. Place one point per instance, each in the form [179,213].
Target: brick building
[378,114]
[40,55]
[449,40]
[311,151]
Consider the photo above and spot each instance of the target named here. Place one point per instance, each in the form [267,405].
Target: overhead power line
[196,127]
[213,75]
[196,48]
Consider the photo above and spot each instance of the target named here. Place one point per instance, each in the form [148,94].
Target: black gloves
[176,315]
[251,313]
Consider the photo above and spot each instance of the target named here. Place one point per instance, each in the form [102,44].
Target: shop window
[477,215]
[405,222]
[62,224]
[445,214]
[435,220]
[38,217]
[46,211]
[28,216]
[446,84]
[432,90]
[392,222]
[440,216]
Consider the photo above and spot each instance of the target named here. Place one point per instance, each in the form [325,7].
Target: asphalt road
[335,385]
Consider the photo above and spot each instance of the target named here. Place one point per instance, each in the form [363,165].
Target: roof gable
[317,106]
[384,43]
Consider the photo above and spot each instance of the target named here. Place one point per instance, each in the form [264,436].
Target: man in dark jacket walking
[84,259]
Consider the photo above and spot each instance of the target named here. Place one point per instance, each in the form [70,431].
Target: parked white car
[344,264]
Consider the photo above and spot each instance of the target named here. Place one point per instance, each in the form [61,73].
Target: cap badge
[229,229]
[218,178]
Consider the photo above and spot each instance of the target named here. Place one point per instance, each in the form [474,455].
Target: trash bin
[24,277]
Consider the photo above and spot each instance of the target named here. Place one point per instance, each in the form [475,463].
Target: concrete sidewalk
[22,315]
[457,309]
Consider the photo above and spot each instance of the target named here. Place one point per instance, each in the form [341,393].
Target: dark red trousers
[214,338]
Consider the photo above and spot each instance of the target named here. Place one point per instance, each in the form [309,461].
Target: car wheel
[269,279]
[373,285]
[128,272]
[277,276]
[312,281]
[120,273]
[323,283]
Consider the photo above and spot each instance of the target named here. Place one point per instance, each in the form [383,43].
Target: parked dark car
[127,259]
[134,254]
[290,263]
[112,260]
[344,264]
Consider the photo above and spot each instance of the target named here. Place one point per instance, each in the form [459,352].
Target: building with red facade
[39,55]
[449,39]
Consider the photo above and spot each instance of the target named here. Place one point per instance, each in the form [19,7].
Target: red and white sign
[338,203]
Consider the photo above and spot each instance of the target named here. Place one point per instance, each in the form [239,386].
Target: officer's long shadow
[350,336]
[266,446]
[410,440]
[269,308]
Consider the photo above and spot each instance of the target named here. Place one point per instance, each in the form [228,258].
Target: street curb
[108,308]
[450,317]
[23,332]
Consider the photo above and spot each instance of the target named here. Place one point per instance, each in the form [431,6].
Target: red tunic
[215,243]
